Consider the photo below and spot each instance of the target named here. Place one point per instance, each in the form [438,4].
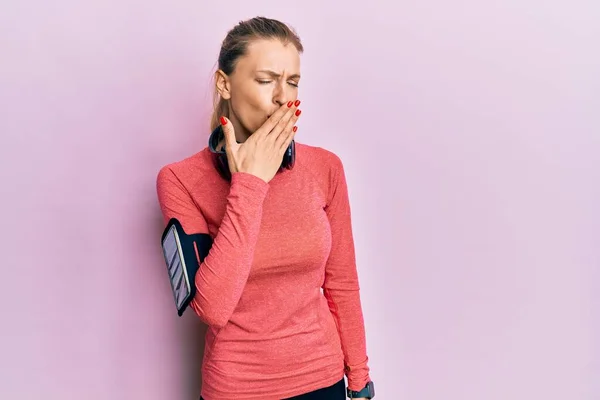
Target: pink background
[470,132]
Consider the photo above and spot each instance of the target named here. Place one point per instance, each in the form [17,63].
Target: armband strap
[183,255]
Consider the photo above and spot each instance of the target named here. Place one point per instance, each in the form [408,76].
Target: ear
[223,85]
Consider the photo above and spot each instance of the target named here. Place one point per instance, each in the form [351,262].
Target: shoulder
[321,160]
[186,172]
[326,168]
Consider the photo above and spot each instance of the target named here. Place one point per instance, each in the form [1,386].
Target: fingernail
[297,103]
[290,104]
[298,111]
[295,128]
[223,121]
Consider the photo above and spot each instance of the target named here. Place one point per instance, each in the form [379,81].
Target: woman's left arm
[341,287]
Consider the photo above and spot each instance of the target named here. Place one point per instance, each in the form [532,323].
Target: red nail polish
[295,128]
[297,103]
[290,104]
[298,111]
[223,121]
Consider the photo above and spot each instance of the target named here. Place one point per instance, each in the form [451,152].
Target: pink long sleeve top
[279,288]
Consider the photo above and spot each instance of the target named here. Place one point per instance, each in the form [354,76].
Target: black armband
[183,254]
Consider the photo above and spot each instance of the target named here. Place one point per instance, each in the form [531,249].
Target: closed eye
[266,82]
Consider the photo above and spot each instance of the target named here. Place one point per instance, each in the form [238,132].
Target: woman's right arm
[223,273]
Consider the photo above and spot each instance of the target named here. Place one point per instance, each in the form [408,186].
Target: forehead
[271,54]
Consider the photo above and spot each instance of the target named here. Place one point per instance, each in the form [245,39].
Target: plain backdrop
[470,134]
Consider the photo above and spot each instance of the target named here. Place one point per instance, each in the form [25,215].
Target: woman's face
[266,77]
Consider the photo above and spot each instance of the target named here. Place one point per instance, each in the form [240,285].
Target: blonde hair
[236,44]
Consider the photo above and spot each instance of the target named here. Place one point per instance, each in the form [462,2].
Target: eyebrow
[276,75]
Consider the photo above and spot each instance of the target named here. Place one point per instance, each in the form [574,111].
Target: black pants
[337,391]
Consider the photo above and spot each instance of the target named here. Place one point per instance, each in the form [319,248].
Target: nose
[282,94]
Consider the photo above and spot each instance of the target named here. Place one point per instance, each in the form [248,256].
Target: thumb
[229,133]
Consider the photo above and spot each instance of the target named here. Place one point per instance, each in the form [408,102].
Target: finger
[287,131]
[229,134]
[285,139]
[283,123]
[275,118]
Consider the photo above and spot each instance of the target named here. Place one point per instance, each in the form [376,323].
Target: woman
[278,288]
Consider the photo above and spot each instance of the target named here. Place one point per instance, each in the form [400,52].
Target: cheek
[253,106]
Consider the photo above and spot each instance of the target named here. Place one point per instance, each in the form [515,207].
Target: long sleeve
[341,287]
[222,275]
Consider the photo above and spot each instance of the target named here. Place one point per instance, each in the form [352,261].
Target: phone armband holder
[183,255]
